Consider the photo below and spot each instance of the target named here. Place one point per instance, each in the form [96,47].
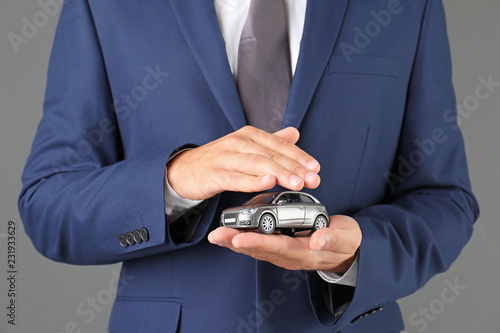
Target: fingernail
[310,177]
[323,242]
[265,179]
[312,165]
[294,180]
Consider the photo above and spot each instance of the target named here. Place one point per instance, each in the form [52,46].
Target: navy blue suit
[375,108]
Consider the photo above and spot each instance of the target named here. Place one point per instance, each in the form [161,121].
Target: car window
[306,199]
[290,198]
[264,198]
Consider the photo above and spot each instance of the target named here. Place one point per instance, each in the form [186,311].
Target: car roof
[275,193]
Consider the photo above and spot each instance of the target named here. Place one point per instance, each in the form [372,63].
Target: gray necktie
[264,74]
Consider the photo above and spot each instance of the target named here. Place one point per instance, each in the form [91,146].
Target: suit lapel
[200,26]
[321,28]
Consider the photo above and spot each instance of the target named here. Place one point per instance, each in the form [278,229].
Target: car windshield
[264,198]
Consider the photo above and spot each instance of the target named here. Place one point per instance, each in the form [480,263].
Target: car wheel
[320,222]
[267,224]
[288,231]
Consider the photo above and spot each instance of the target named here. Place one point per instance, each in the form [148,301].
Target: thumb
[327,239]
[343,235]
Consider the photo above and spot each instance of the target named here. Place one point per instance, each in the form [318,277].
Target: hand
[331,249]
[248,160]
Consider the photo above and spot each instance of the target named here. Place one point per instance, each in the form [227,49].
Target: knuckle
[255,159]
[249,130]
[234,141]
[272,155]
[282,174]
[230,164]
[298,170]
[218,160]
[218,155]
[302,156]
[280,145]
[333,242]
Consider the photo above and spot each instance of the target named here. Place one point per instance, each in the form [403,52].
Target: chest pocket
[380,66]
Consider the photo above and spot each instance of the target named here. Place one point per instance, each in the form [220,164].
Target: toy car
[287,211]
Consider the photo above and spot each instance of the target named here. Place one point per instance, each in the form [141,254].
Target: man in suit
[145,181]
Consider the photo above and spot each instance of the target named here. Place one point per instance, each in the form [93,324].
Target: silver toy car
[287,211]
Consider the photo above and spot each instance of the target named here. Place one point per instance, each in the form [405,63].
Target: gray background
[49,293]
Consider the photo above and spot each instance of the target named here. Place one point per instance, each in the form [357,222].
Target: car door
[290,210]
[310,208]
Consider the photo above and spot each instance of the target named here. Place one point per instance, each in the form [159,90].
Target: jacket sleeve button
[144,234]
[137,236]
[130,238]
[123,240]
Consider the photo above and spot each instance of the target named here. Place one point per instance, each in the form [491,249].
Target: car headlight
[249,211]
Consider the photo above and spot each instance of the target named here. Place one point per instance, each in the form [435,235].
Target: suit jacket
[372,98]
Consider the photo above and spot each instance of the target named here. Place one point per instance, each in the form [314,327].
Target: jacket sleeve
[79,191]
[429,211]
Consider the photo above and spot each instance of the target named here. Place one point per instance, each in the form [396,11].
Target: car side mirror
[280,202]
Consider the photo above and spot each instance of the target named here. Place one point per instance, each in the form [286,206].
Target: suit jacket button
[361,316]
[144,234]
[137,236]
[123,240]
[130,238]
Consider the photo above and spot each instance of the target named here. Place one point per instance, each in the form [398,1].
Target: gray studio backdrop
[53,297]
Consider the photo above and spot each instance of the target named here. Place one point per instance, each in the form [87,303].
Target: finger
[277,144]
[344,239]
[235,169]
[275,259]
[260,154]
[243,141]
[222,235]
[290,134]
[284,147]
[287,252]
[228,180]
[325,239]
[276,244]
[283,262]
[258,165]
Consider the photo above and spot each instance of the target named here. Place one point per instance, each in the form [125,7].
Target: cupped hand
[248,160]
[331,249]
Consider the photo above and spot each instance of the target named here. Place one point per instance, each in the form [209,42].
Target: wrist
[172,170]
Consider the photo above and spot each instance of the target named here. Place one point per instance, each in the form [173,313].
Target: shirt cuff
[348,279]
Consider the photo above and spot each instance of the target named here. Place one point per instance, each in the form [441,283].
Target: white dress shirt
[232,15]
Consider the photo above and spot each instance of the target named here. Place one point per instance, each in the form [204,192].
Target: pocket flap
[144,315]
[364,65]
